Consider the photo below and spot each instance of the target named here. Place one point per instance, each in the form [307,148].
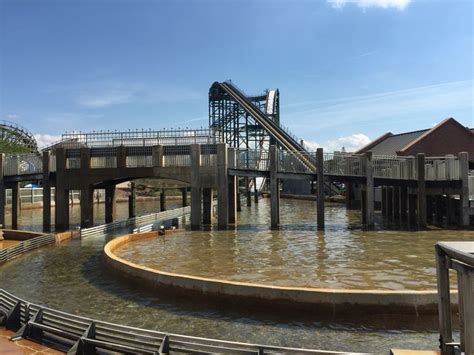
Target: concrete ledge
[12,234]
[333,301]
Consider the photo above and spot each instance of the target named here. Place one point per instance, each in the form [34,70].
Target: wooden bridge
[407,182]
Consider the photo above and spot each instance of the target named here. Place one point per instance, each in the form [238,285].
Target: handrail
[26,318]
[283,137]
[26,245]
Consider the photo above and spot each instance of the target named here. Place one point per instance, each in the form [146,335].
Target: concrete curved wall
[334,301]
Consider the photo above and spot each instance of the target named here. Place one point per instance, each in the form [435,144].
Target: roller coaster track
[15,138]
[275,131]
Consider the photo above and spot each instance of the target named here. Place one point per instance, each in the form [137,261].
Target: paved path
[22,347]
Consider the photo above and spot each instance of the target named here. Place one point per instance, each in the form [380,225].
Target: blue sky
[347,70]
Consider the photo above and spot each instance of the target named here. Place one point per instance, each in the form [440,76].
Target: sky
[347,70]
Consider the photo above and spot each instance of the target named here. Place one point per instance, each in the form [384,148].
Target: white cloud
[45,140]
[349,143]
[384,4]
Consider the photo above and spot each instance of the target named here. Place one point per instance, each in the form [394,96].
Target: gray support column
[87,191]
[255,188]
[237,188]
[248,192]
[464,166]
[2,193]
[196,202]
[320,197]
[438,202]
[157,154]
[121,157]
[15,204]
[421,202]
[222,186]
[132,201]
[87,206]
[207,205]
[403,204]
[109,204]
[274,188]
[384,201]
[231,159]
[184,196]
[163,200]
[396,203]
[61,209]
[369,177]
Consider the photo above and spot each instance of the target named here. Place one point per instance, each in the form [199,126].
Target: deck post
[196,194]
[239,201]
[87,191]
[46,193]
[255,188]
[3,193]
[389,202]
[384,201]
[421,201]
[363,204]
[184,196]
[15,204]
[163,200]
[61,193]
[320,198]
[232,190]
[110,209]
[248,192]
[412,200]
[132,201]
[403,204]
[274,188]
[464,175]
[222,187]
[349,193]
[396,203]
[369,177]
[207,205]
[444,302]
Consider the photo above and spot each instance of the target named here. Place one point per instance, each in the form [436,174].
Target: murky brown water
[297,255]
[72,277]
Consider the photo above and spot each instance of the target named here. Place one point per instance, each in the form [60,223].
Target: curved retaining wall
[334,301]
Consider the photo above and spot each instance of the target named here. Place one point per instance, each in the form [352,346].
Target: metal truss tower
[234,126]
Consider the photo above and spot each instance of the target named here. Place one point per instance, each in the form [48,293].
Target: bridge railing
[22,164]
[343,164]
[442,168]
[253,159]
[289,162]
[394,167]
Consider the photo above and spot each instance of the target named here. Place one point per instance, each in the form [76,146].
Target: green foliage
[9,147]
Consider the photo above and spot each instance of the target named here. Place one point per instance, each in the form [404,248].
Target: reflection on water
[297,255]
[72,277]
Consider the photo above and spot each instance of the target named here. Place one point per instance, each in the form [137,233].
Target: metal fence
[178,136]
[22,164]
[136,221]
[26,245]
